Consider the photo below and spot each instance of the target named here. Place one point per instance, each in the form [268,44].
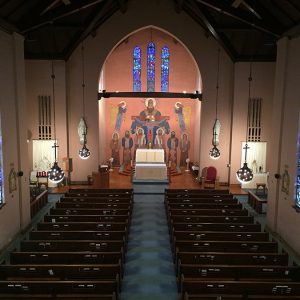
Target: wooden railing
[37,203]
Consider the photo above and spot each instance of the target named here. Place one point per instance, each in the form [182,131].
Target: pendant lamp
[245,174]
[84,152]
[55,174]
[214,152]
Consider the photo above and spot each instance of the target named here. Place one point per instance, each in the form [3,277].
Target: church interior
[150,149]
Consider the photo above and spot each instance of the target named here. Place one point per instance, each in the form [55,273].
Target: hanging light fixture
[214,152]
[245,174]
[84,152]
[55,174]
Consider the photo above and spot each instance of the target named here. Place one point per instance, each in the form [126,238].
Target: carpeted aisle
[149,270]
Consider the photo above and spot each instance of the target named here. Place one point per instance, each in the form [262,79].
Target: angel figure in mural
[184,146]
[121,111]
[150,119]
[115,149]
[179,111]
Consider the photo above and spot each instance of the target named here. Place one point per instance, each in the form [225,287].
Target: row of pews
[221,253]
[76,252]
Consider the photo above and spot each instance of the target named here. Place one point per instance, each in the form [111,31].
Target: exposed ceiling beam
[107,10]
[105,94]
[8,27]
[196,13]
[68,13]
[243,20]
[123,6]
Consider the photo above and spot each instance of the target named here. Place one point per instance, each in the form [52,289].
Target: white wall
[282,217]
[39,83]
[15,214]
[261,87]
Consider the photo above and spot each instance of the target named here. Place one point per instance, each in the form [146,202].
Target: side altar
[150,165]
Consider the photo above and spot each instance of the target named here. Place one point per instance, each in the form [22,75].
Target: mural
[151,128]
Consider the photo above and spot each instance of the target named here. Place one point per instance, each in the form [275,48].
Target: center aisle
[149,270]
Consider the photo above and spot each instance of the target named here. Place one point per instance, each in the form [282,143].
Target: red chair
[209,177]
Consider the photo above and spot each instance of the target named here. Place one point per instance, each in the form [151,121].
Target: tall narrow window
[298,173]
[151,67]
[165,57]
[44,117]
[254,120]
[137,69]
[1,169]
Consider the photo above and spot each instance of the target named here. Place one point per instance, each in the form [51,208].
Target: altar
[150,165]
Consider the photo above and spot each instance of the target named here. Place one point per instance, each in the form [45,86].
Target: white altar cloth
[150,156]
[157,171]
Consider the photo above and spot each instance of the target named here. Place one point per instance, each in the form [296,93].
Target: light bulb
[56,174]
[244,174]
[214,153]
[84,153]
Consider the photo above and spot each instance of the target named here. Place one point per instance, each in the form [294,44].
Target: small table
[261,185]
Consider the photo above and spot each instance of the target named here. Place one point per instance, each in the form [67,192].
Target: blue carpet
[149,272]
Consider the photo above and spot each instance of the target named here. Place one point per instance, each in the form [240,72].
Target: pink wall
[118,77]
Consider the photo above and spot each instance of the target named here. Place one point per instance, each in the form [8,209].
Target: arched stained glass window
[137,66]
[298,173]
[165,58]
[151,67]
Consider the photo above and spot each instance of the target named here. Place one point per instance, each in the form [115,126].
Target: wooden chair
[209,178]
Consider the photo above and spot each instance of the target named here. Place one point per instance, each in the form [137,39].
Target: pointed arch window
[165,58]
[151,67]
[137,66]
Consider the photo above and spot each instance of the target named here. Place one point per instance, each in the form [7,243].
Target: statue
[139,140]
[150,119]
[159,142]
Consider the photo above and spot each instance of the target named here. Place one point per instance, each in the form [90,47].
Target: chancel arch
[118,115]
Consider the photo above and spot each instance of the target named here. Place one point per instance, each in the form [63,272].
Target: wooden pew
[201,200]
[208,212]
[219,236]
[188,296]
[238,272]
[212,219]
[219,287]
[83,199]
[88,205]
[81,226]
[100,191]
[235,258]
[72,245]
[82,296]
[195,205]
[87,218]
[81,211]
[196,191]
[78,235]
[54,287]
[60,272]
[226,246]
[216,227]
[256,202]
[75,257]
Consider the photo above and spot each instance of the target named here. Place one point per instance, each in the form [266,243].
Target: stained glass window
[137,69]
[151,67]
[165,57]
[1,170]
[298,174]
